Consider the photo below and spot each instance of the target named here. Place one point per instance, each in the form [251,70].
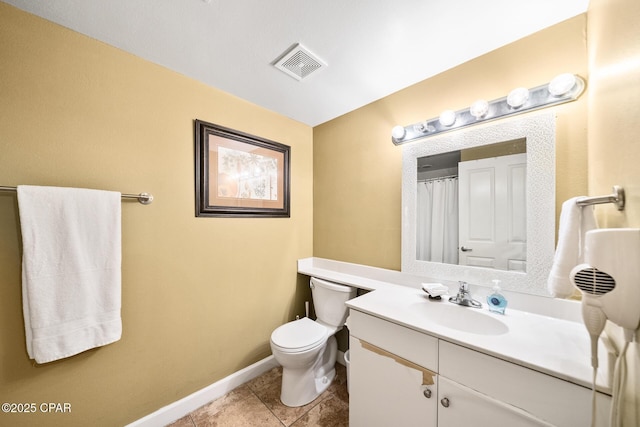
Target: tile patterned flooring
[257,403]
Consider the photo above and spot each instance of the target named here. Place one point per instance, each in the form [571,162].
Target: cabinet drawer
[556,401]
[407,343]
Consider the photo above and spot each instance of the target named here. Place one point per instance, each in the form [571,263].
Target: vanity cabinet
[403,377]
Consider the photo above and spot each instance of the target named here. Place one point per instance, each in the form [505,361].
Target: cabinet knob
[427,393]
[445,402]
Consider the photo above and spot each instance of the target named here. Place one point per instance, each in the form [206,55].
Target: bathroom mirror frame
[539,132]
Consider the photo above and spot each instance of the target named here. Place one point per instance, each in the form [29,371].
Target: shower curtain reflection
[437,224]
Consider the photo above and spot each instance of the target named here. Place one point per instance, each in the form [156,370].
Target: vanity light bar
[563,88]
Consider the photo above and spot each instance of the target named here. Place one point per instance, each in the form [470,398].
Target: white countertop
[548,336]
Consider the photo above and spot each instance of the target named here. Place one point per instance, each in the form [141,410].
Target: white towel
[435,289]
[575,221]
[71,269]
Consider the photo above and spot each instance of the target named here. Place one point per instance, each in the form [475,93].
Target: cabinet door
[559,402]
[386,390]
[462,406]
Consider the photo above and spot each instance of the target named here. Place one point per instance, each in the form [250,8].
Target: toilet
[307,349]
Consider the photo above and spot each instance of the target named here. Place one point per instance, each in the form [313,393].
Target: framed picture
[239,175]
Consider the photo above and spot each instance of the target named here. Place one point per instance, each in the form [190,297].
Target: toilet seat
[299,335]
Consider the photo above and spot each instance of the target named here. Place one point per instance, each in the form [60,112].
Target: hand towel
[575,221]
[435,289]
[71,269]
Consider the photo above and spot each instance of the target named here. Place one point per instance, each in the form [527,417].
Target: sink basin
[464,319]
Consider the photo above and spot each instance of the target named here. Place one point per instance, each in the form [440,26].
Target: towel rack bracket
[145,198]
[617,198]
[618,193]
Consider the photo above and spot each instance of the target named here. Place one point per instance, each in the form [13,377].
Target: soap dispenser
[496,301]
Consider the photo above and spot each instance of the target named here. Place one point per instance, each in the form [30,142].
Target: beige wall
[201,296]
[357,170]
[614,106]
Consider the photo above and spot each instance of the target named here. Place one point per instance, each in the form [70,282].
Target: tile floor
[257,403]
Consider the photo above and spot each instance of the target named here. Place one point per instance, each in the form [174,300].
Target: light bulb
[562,84]
[479,109]
[518,97]
[447,118]
[398,132]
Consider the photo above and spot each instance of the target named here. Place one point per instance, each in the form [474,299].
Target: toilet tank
[329,299]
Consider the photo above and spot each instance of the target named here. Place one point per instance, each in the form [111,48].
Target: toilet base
[301,386]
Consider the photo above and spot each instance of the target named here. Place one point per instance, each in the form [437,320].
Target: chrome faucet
[464,297]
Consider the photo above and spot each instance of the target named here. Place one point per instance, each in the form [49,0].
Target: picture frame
[240,175]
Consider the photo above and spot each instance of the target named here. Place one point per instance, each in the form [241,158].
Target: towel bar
[617,197]
[144,198]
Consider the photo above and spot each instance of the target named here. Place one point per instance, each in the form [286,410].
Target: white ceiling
[372,48]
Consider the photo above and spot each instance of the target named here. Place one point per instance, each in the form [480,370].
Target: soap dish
[435,290]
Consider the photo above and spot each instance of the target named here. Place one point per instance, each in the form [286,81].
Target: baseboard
[182,407]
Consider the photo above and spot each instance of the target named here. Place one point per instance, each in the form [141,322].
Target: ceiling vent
[298,62]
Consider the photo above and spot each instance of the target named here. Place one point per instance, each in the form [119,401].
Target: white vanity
[415,361]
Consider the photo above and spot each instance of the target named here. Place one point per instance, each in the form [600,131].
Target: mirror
[537,134]
[471,206]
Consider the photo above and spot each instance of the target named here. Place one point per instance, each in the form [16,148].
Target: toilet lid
[299,335]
